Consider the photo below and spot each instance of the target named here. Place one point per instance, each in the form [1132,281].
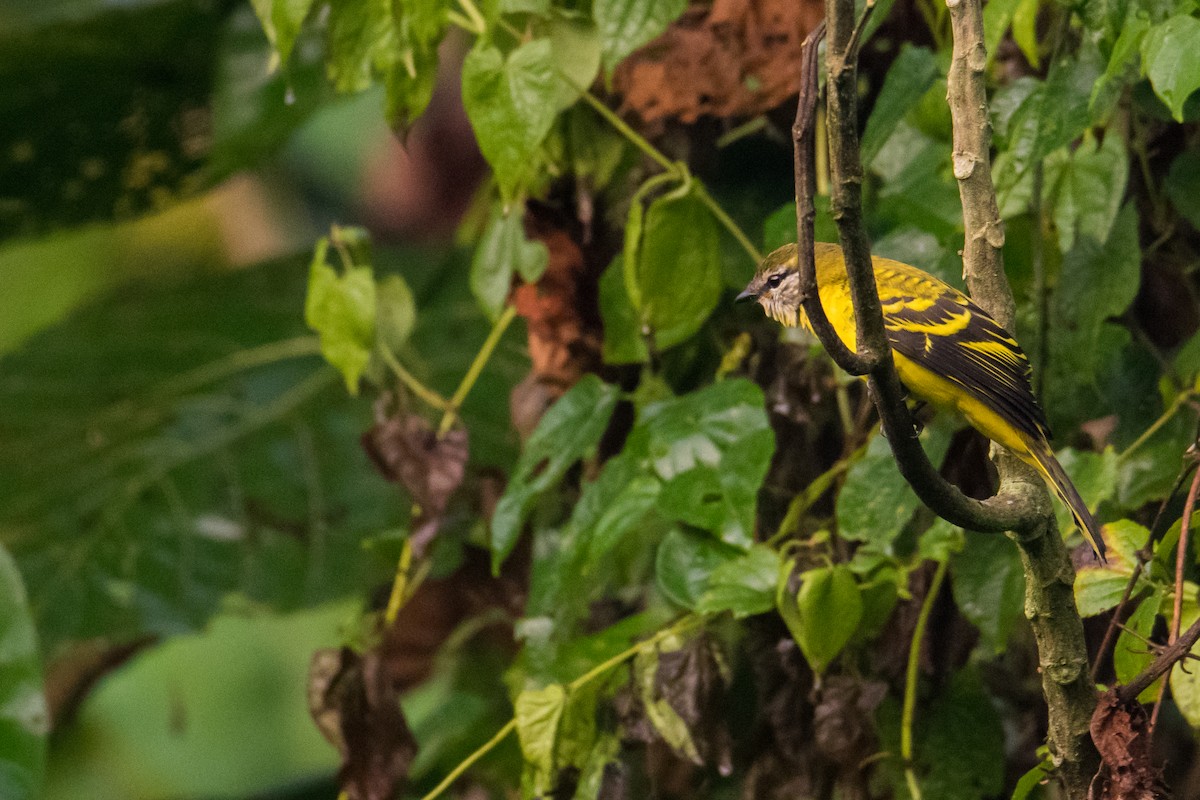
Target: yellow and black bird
[947,351]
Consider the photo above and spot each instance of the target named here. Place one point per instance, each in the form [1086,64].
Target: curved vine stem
[910,680]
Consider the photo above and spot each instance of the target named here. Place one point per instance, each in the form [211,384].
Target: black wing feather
[980,356]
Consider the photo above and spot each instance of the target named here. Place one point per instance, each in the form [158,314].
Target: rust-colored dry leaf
[563,323]
[735,58]
[1121,734]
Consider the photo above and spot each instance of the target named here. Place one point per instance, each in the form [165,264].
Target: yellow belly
[942,393]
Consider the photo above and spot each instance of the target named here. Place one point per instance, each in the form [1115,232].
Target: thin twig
[1161,665]
[910,680]
[805,174]
[481,359]
[857,33]
[1189,505]
[1114,624]
[1157,528]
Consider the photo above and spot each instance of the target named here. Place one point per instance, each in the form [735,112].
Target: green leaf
[623,343]
[910,75]
[557,730]
[396,312]
[25,721]
[281,20]
[341,309]
[535,7]
[510,102]
[1131,654]
[184,442]
[673,266]
[685,563]
[826,613]
[876,502]
[997,17]
[409,91]
[1050,116]
[711,449]
[744,586]
[361,43]
[1091,185]
[1123,65]
[1097,589]
[989,586]
[595,768]
[1024,29]
[961,742]
[1124,538]
[940,541]
[1183,186]
[575,46]
[567,432]
[1098,282]
[1171,55]
[1185,683]
[255,112]
[105,116]
[626,25]
[538,713]
[502,252]
[1028,783]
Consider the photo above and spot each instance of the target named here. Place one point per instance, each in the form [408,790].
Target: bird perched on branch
[947,351]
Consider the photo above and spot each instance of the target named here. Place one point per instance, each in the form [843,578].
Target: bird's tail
[1052,471]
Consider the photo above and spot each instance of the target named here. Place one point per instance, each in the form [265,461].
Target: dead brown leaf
[406,450]
[355,705]
[692,680]
[735,58]
[1121,734]
[844,718]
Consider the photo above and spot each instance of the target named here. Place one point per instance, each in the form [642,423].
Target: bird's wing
[939,328]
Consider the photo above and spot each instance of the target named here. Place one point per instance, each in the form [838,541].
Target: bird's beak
[748,294]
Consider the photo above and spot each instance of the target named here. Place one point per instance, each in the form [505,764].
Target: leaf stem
[472,11]
[467,762]
[727,221]
[1157,425]
[629,133]
[410,381]
[683,624]
[481,359]
[910,680]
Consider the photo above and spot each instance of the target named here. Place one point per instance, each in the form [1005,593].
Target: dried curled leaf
[1121,734]
[406,450]
[355,705]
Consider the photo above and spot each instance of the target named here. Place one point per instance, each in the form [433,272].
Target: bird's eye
[774,281]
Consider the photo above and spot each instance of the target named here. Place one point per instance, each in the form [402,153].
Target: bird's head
[776,286]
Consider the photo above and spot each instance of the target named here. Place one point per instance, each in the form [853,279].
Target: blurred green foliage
[701,536]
